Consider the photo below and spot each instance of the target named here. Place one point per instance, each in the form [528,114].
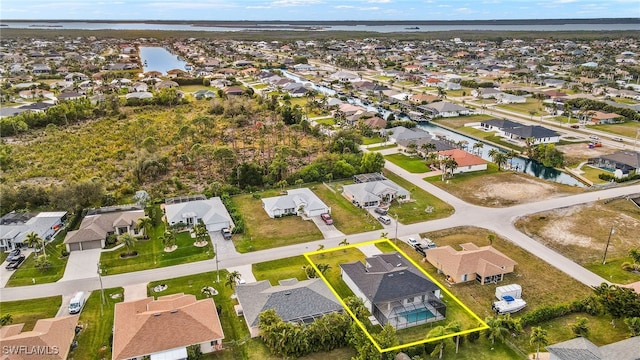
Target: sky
[316,9]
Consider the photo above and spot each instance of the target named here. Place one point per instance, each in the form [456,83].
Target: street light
[604,258]
[101,288]
[395,241]
[215,249]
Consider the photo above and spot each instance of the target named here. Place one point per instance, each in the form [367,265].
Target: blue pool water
[416,315]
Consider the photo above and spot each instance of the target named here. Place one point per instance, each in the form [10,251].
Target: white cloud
[289,3]
[379,1]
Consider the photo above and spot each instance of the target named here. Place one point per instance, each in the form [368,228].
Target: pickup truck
[226,233]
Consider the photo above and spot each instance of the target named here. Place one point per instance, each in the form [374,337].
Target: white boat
[508,305]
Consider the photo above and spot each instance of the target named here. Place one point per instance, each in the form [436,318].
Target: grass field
[413,164]
[27,272]
[423,206]
[592,173]
[194,88]
[347,218]
[530,105]
[372,140]
[30,311]
[280,269]
[263,232]
[95,338]
[629,129]
[383,147]
[151,254]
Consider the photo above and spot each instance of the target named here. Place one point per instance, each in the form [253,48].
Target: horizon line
[342,20]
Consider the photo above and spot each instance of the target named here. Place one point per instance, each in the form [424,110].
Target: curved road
[498,220]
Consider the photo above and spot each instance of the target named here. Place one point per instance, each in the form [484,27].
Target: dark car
[575,126]
[15,263]
[14,254]
[327,219]
[226,233]
[380,211]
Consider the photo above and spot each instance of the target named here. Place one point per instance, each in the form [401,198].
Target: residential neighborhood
[267,196]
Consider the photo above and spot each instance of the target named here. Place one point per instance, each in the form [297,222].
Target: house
[344,76]
[422,98]
[394,291]
[373,193]
[483,264]
[303,67]
[446,109]
[554,94]
[486,93]
[204,94]
[139,95]
[504,98]
[599,117]
[50,339]
[294,301]
[296,202]
[233,90]
[582,348]
[375,122]
[498,125]
[401,133]
[540,134]
[167,84]
[14,227]
[102,222]
[194,209]
[623,163]
[408,144]
[466,162]
[164,328]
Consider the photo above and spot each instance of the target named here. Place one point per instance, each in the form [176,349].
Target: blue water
[413,316]
[159,59]
[383,28]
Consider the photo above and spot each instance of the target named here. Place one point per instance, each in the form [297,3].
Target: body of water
[380,28]
[159,59]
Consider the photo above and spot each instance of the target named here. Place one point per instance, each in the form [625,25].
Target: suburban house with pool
[394,291]
[194,209]
[373,193]
[621,164]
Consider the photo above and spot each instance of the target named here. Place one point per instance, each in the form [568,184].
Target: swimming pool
[417,315]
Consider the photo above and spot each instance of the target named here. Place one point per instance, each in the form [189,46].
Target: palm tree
[538,338]
[498,157]
[477,147]
[201,232]
[497,330]
[439,331]
[384,235]
[128,241]
[320,247]
[580,328]
[145,224]
[323,268]
[448,164]
[344,242]
[491,237]
[168,239]
[232,278]
[35,241]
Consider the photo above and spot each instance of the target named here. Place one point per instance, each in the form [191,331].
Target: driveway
[5,274]
[369,250]
[328,231]
[245,271]
[224,248]
[82,264]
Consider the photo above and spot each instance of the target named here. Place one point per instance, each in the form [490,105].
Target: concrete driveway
[245,271]
[328,231]
[224,248]
[82,264]
[5,274]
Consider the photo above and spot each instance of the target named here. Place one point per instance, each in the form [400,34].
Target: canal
[520,164]
[155,58]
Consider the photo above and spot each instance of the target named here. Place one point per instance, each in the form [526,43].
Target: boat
[412,28]
[508,305]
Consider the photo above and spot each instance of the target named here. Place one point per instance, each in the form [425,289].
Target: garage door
[74,246]
[91,245]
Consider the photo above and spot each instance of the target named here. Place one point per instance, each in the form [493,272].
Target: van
[384,219]
[77,302]
[617,139]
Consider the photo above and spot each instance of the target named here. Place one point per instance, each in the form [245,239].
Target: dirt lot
[581,232]
[576,153]
[505,189]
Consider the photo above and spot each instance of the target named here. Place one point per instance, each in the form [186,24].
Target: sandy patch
[559,230]
[523,191]
[582,151]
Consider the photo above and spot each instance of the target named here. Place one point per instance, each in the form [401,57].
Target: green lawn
[94,341]
[151,254]
[613,272]
[592,173]
[194,88]
[629,129]
[413,164]
[530,105]
[27,272]
[421,202]
[263,232]
[372,140]
[347,218]
[280,269]
[30,311]
[329,121]
[259,86]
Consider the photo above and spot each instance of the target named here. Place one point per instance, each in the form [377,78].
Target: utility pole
[604,258]
[215,249]
[101,288]
[395,240]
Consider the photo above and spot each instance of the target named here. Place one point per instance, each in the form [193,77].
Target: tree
[372,162]
[320,247]
[35,241]
[618,301]
[128,240]
[449,164]
[498,157]
[384,234]
[201,232]
[497,329]
[538,338]
[344,242]
[491,237]
[232,278]
[42,263]
[477,147]
[323,268]
[439,331]
[634,326]
[168,239]
[580,328]
[145,223]
[635,255]
[6,319]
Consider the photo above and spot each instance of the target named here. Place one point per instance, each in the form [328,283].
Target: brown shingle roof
[96,227]
[50,339]
[147,326]
[484,260]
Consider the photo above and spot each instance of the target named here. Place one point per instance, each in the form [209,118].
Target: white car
[412,241]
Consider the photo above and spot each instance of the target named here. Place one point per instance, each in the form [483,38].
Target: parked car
[15,263]
[13,254]
[575,126]
[384,219]
[593,137]
[617,139]
[326,218]
[412,241]
[226,233]
[380,211]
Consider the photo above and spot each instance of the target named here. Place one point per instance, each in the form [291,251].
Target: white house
[297,201]
[191,210]
[372,193]
[16,226]
[446,109]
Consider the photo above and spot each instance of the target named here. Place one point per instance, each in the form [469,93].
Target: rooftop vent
[157,314]
[174,311]
[288,293]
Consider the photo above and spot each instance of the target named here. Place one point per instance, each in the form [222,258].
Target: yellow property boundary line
[482,326]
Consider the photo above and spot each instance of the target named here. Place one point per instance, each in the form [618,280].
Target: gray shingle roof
[292,300]
[536,131]
[583,349]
